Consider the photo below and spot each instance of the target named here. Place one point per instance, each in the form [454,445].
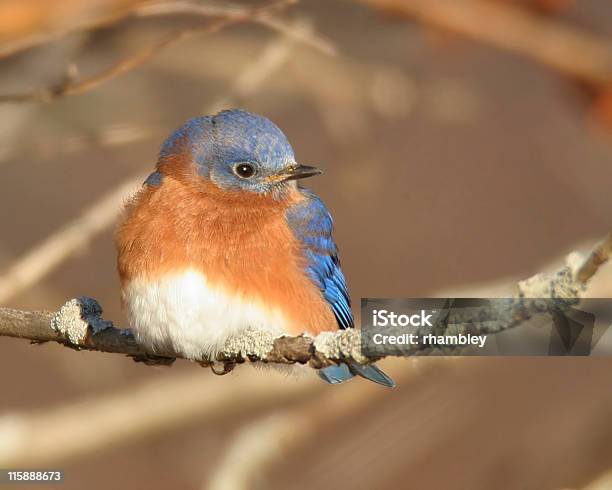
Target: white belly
[185,313]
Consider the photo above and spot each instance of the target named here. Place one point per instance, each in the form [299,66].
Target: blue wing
[312,225]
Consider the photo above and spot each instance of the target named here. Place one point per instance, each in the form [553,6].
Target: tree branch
[79,324]
[260,15]
[574,53]
[58,435]
[222,17]
[73,85]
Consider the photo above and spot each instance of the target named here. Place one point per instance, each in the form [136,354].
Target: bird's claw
[228,367]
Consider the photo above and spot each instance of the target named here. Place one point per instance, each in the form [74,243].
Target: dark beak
[301,172]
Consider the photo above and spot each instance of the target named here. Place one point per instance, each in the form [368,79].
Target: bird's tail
[335,374]
[344,372]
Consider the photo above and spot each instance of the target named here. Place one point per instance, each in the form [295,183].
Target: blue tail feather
[335,374]
[373,373]
[344,372]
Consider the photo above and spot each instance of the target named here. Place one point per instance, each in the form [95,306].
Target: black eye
[244,170]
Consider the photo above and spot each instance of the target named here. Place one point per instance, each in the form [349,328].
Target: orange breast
[239,240]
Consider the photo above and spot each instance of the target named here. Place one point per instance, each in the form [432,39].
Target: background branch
[266,441]
[572,52]
[222,17]
[44,257]
[69,433]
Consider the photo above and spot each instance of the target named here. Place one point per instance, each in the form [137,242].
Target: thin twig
[255,73]
[46,25]
[259,16]
[224,16]
[573,52]
[598,256]
[74,86]
[91,19]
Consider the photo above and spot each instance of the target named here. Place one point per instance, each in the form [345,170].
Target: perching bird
[222,238]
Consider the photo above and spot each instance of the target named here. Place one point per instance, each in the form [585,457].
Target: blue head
[237,150]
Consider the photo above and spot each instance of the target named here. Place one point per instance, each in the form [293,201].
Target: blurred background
[466,144]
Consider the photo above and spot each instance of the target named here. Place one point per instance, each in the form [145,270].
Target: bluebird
[222,238]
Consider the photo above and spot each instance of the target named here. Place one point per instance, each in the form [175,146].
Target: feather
[312,225]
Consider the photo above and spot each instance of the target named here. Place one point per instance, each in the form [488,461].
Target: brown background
[447,163]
